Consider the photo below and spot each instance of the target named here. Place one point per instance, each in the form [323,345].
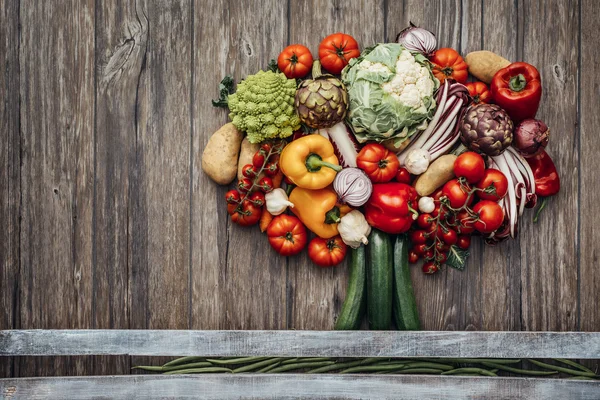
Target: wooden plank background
[109,222]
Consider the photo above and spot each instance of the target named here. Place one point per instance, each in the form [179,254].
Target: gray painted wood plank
[57,172]
[297,386]
[301,343]
[316,294]
[10,162]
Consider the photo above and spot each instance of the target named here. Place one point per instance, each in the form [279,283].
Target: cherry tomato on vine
[469,165]
[232,197]
[245,215]
[490,215]
[449,237]
[257,198]
[413,257]
[456,193]
[495,178]
[441,246]
[335,51]
[295,61]
[287,235]
[327,252]
[428,255]
[271,169]
[244,185]
[403,176]
[265,148]
[465,222]
[430,268]
[436,212]
[265,184]
[258,160]
[437,195]
[380,164]
[442,257]
[420,249]
[464,242]
[418,237]
[249,171]
[424,221]
[447,63]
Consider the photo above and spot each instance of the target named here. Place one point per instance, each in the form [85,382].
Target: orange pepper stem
[517,83]
[314,162]
[333,216]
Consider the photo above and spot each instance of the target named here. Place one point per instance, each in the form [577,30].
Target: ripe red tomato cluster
[245,203]
[463,206]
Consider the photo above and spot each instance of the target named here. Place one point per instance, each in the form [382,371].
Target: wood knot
[247,48]
[559,73]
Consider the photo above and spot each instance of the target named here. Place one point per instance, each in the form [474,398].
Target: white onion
[417,39]
[353,186]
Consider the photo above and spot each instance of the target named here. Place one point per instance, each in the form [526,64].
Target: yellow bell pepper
[310,162]
[318,210]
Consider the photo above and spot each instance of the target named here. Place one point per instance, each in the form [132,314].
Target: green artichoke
[486,129]
[322,101]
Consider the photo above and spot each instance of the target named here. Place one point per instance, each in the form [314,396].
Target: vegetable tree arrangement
[391,152]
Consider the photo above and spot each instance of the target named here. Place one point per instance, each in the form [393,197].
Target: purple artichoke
[486,129]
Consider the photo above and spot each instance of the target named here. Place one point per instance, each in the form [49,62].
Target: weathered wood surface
[109,222]
[280,343]
[291,386]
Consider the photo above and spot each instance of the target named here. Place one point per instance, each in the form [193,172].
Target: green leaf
[273,66]
[226,87]
[457,258]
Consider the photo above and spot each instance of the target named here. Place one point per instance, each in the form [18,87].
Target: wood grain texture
[289,343]
[57,171]
[298,386]
[121,44]
[10,187]
[316,294]
[238,280]
[501,264]
[549,248]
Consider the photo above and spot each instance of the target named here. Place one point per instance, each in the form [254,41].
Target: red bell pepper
[391,207]
[547,182]
[517,88]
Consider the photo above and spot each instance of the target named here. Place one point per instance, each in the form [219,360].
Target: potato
[439,172]
[246,154]
[389,144]
[220,156]
[484,64]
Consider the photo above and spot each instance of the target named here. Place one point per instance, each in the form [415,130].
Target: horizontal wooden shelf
[576,345]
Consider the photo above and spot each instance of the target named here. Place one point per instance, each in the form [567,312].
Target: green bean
[269,368]
[573,364]
[444,367]
[480,371]
[149,368]
[183,360]
[561,369]
[257,365]
[308,359]
[418,371]
[475,360]
[243,360]
[518,370]
[292,367]
[372,368]
[335,366]
[198,370]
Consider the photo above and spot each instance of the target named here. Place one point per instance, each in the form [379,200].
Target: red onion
[417,39]
[344,143]
[531,137]
[353,186]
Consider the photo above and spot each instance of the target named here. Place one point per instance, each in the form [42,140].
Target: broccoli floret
[262,106]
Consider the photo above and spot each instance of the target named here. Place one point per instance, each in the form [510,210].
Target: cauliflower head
[391,93]
[263,106]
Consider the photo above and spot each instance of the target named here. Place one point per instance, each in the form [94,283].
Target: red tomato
[413,257]
[380,164]
[232,197]
[245,215]
[271,169]
[403,176]
[495,178]
[295,61]
[327,252]
[418,237]
[257,198]
[437,195]
[420,249]
[490,214]
[436,212]
[244,185]
[449,237]
[441,246]
[466,224]
[258,160]
[287,235]
[447,63]
[442,257]
[266,184]
[470,165]
[424,220]
[336,50]
[428,255]
[456,193]
[430,268]
[464,242]
[480,92]
[249,171]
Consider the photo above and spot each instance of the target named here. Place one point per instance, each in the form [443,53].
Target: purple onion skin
[531,137]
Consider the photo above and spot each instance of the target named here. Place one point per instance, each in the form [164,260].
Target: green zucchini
[355,303]
[405,311]
[379,280]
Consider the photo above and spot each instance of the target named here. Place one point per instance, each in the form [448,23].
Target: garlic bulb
[354,229]
[353,186]
[417,161]
[426,204]
[277,201]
